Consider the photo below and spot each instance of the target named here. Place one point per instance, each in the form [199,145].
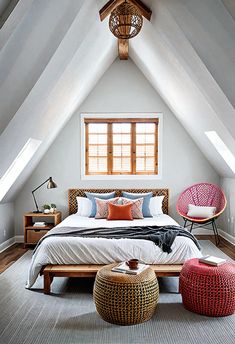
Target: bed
[76,256]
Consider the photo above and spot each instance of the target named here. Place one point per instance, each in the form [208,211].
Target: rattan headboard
[73,193]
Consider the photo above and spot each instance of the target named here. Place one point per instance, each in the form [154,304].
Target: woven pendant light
[125,21]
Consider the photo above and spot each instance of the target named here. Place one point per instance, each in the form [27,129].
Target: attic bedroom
[117,171]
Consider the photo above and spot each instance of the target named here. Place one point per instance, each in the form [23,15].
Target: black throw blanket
[163,236]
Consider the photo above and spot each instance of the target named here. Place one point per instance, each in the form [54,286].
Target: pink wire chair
[202,194]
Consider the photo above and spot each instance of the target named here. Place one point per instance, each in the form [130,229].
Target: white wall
[227,220]
[123,88]
[6,223]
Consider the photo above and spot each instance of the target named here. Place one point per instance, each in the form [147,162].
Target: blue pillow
[91,196]
[146,200]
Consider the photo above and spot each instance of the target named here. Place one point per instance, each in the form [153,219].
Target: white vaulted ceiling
[52,53]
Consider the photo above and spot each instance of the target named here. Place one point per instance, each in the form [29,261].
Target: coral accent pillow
[137,205]
[120,211]
[102,207]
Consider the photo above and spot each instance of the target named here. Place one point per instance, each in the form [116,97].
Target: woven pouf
[207,289]
[125,299]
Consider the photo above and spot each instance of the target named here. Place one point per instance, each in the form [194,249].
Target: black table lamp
[51,185]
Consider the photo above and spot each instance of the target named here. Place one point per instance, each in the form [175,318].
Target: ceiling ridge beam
[108,8]
[112,4]
[144,10]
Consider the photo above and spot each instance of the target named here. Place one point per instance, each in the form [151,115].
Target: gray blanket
[162,236]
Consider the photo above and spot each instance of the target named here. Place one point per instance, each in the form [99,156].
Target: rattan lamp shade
[125,21]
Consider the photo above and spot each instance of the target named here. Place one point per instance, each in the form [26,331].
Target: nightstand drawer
[33,235]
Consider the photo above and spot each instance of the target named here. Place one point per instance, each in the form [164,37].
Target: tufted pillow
[102,207]
[137,205]
[91,196]
[119,211]
[146,196]
[200,211]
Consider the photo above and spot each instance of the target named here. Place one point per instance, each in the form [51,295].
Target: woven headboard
[73,193]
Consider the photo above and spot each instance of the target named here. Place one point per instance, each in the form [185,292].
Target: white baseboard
[10,242]
[19,238]
[6,244]
[227,236]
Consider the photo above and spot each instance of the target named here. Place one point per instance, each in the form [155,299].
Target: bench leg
[48,278]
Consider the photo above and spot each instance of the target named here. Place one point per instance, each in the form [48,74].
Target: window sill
[122,177]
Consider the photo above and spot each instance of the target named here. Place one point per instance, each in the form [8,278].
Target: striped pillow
[102,207]
[137,205]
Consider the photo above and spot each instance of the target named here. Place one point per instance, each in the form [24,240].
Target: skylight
[222,149]
[18,165]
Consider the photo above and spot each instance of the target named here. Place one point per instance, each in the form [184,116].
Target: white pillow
[200,211]
[84,206]
[155,205]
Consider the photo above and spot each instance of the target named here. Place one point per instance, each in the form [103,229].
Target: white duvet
[75,250]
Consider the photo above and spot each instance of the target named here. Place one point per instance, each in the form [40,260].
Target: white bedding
[75,250]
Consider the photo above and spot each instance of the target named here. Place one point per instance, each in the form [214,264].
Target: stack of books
[211,260]
[40,224]
[124,268]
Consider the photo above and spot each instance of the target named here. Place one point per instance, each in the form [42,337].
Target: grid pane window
[122,165]
[97,165]
[121,146]
[121,128]
[121,138]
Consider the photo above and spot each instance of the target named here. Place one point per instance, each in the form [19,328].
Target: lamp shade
[125,21]
[51,184]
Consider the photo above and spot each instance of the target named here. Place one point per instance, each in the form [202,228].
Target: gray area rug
[69,315]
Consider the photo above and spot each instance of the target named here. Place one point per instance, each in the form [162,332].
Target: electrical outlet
[4,233]
[232,219]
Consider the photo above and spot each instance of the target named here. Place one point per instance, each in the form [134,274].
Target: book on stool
[212,260]
[124,268]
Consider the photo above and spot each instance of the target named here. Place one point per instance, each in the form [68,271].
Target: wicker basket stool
[206,289]
[125,299]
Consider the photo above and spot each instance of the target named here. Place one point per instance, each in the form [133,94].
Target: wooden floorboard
[10,255]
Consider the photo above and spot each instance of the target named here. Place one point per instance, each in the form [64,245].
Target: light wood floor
[10,255]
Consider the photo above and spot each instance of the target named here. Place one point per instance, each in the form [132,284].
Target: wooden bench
[51,271]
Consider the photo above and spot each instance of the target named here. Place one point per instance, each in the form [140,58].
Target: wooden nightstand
[32,234]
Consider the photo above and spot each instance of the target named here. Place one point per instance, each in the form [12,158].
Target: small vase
[46,211]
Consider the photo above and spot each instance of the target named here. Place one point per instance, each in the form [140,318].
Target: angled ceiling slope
[72,72]
[162,51]
[230,5]
[179,74]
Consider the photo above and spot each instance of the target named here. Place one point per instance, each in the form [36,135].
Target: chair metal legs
[211,222]
[216,234]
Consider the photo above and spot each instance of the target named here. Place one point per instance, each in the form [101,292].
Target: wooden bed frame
[51,271]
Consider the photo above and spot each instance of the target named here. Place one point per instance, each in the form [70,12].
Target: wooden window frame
[133,121]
